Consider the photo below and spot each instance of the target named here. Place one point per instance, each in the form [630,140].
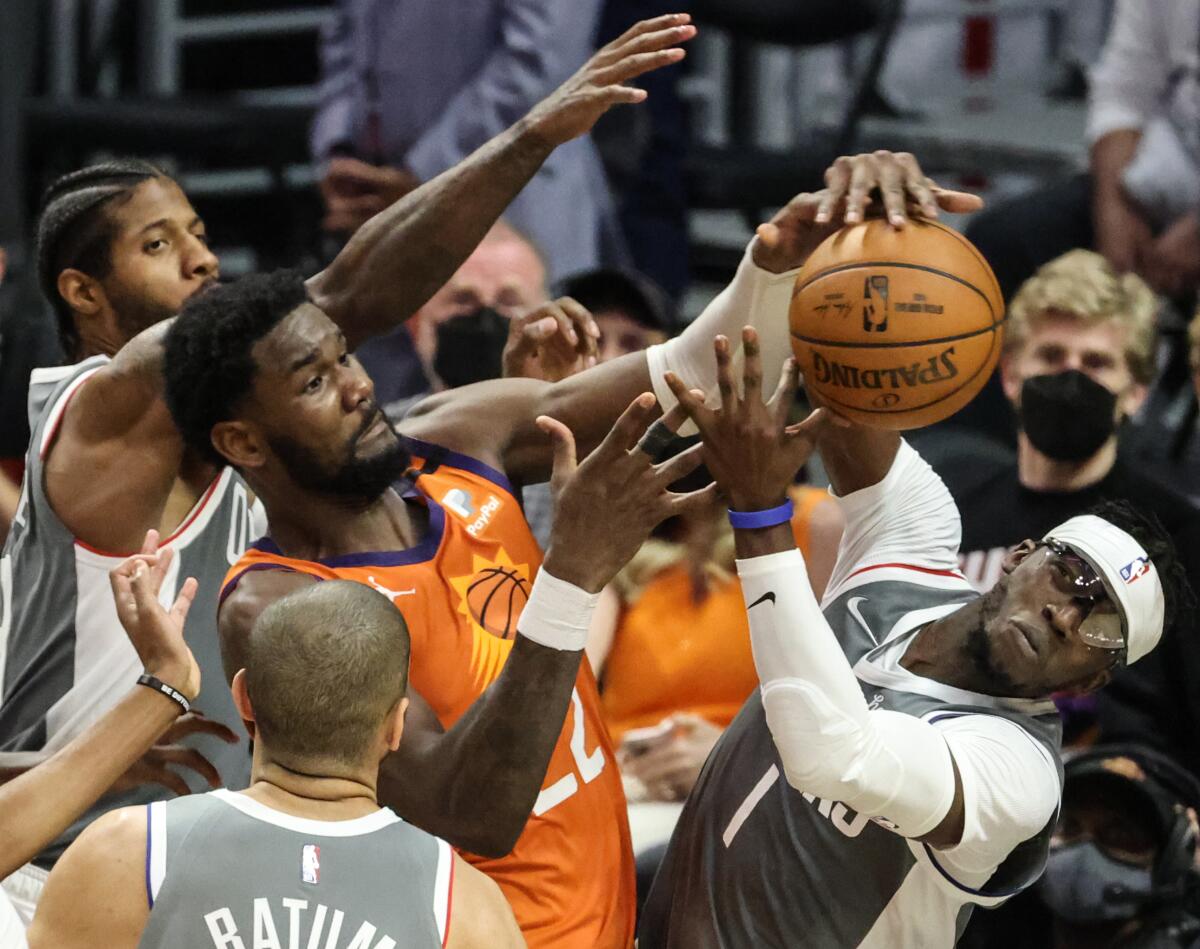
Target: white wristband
[558,614]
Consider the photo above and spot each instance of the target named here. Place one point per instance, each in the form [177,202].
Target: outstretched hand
[575,106]
[606,506]
[749,446]
[156,633]
[786,241]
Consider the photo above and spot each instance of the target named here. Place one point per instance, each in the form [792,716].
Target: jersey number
[588,766]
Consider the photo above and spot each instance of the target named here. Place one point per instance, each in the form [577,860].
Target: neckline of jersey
[425,549]
[354,827]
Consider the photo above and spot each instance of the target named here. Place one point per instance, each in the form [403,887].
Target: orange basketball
[495,598]
[896,329]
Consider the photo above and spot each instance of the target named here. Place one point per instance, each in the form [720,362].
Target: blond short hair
[1083,285]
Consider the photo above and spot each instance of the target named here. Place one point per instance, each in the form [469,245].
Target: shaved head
[325,665]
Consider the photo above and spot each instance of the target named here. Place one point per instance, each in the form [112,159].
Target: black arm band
[159,686]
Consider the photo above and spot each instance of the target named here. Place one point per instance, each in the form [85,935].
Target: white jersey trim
[357,827]
[54,416]
[156,848]
[443,889]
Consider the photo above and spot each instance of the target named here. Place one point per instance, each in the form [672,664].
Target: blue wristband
[744,520]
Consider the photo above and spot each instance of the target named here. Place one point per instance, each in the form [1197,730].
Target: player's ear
[1017,554]
[395,724]
[82,293]
[239,443]
[241,700]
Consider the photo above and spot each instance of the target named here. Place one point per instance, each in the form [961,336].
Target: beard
[979,646]
[354,478]
[135,312]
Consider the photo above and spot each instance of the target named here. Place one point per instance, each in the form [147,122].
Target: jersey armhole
[156,849]
[443,890]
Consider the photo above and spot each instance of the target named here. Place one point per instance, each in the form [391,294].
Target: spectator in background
[1140,203]
[632,314]
[505,274]
[410,87]
[1166,437]
[1122,867]
[1078,361]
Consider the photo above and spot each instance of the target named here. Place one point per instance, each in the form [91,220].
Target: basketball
[495,598]
[896,329]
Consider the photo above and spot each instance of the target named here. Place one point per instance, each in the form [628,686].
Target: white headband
[1128,573]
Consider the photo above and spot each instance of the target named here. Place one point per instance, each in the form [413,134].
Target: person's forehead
[154,200]
[618,321]
[1073,333]
[497,261]
[303,331]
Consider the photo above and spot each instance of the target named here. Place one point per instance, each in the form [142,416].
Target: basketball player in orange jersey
[120,250]
[259,377]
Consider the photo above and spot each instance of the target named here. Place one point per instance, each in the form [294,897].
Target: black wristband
[159,686]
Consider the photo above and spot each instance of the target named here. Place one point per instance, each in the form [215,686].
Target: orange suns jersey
[570,877]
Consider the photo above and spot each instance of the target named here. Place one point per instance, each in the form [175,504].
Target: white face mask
[1083,885]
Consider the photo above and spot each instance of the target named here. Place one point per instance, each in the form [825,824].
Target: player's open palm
[156,633]
[575,106]
[748,444]
[606,506]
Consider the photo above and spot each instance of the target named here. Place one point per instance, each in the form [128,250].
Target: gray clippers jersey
[227,872]
[754,862]
[64,658]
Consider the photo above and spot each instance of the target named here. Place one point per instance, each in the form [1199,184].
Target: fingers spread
[624,434]
[892,187]
[751,368]
[724,353]
[785,392]
[863,177]
[564,447]
[183,602]
[680,465]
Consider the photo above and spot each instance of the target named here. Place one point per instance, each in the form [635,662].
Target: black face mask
[1067,415]
[470,347]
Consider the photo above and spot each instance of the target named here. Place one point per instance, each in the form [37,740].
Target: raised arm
[40,804]
[494,420]
[398,259]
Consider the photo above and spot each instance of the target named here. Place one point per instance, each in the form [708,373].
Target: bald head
[325,666]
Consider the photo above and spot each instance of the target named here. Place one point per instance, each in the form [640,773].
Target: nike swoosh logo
[852,608]
[767,597]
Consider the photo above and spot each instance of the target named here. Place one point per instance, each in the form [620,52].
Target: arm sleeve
[1010,786]
[339,94]
[880,763]
[756,297]
[1128,83]
[907,518]
[526,65]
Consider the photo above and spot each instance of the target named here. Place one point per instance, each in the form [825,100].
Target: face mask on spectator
[1067,415]
[1083,885]
[470,347]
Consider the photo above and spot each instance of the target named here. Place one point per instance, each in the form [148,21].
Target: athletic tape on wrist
[558,614]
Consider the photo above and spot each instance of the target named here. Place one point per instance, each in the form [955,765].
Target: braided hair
[75,229]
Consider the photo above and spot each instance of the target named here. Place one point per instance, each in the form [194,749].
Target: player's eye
[344,359]
[154,246]
[313,384]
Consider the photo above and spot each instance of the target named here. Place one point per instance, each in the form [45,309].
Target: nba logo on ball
[931,326]
[310,864]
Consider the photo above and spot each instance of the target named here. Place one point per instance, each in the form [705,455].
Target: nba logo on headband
[1135,568]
